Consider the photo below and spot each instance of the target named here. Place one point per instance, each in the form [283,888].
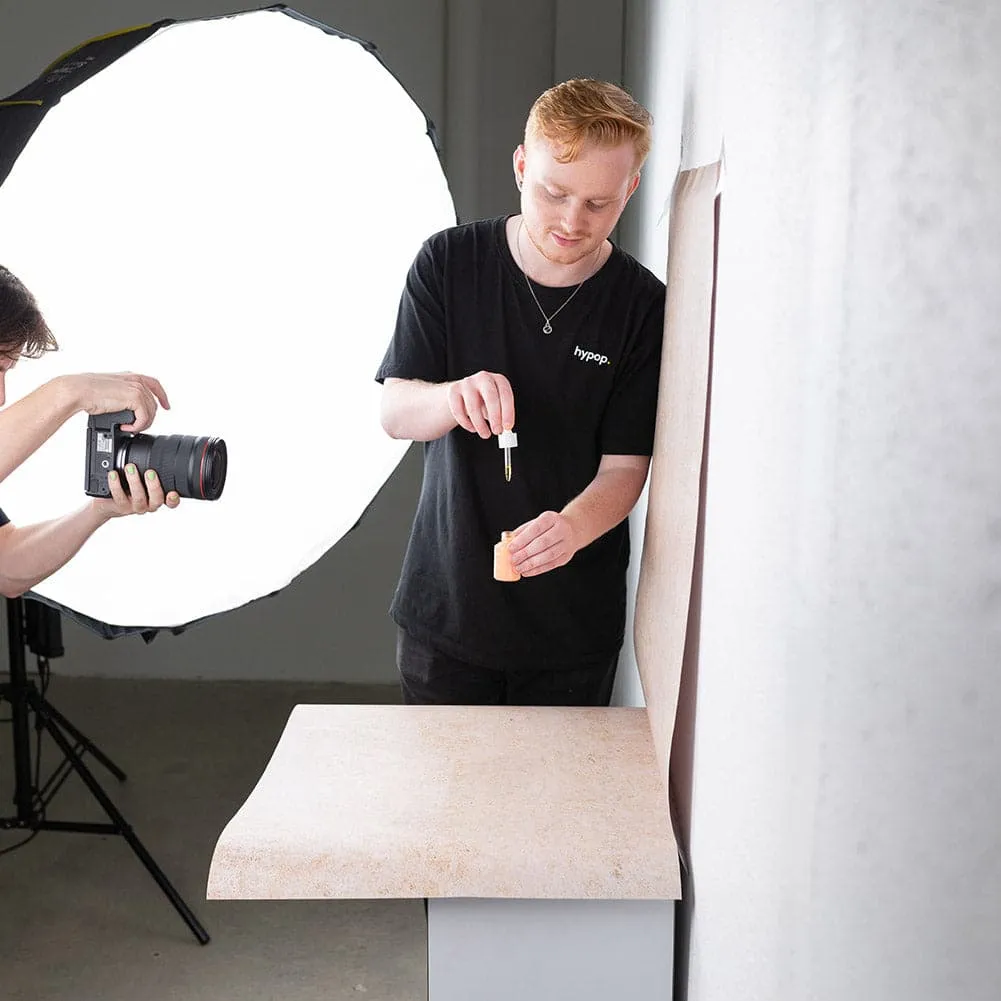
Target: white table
[540,837]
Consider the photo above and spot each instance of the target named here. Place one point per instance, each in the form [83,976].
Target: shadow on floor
[82,920]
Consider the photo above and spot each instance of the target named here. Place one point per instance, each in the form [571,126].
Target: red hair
[577,112]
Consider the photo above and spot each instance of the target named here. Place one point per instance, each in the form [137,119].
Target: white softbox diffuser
[231,206]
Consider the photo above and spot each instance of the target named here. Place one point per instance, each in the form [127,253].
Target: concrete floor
[82,920]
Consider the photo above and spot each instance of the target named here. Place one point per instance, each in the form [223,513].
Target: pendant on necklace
[547,328]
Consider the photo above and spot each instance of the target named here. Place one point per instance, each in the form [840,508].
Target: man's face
[6,364]
[570,208]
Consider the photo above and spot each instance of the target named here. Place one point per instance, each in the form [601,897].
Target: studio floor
[82,920]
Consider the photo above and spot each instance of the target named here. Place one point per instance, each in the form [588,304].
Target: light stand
[31,800]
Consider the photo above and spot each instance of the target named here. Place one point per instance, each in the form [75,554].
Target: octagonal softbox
[231,205]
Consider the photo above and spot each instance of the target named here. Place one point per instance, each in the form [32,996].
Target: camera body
[106,444]
[190,466]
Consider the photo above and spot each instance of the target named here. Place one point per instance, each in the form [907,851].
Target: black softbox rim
[22,112]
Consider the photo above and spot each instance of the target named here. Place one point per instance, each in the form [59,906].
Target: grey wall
[474,67]
[654,71]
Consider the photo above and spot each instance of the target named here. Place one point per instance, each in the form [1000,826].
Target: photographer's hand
[31,553]
[107,393]
[141,498]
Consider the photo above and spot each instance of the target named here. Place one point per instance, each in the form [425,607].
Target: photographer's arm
[30,554]
[26,425]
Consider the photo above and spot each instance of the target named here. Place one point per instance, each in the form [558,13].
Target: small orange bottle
[502,560]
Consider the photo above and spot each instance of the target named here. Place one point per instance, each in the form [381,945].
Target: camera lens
[193,467]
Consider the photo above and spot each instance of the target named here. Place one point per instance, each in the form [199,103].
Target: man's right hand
[482,403]
[107,393]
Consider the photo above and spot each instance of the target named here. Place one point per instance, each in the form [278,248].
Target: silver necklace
[547,327]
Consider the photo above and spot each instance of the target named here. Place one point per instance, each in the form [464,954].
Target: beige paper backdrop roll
[665,581]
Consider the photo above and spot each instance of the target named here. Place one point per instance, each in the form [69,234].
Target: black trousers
[429,677]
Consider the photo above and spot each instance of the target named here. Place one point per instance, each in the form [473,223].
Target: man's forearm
[30,554]
[603,503]
[416,410]
[29,423]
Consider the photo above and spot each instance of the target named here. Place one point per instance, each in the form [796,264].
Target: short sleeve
[627,426]
[4,520]
[417,350]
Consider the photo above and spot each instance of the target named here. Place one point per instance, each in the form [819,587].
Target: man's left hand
[542,544]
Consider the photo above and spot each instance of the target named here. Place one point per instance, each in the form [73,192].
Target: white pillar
[846,801]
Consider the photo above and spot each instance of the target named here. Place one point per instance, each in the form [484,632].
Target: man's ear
[519,165]
[633,185]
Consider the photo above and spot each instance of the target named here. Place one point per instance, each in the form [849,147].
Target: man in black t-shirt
[30,553]
[538,323]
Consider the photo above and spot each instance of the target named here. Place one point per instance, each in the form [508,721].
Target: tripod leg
[42,711]
[85,742]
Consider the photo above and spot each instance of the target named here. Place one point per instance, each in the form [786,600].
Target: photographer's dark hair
[23,330]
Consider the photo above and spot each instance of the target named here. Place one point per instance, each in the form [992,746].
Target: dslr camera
[193,467]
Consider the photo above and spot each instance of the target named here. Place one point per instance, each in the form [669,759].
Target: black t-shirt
[587,389]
